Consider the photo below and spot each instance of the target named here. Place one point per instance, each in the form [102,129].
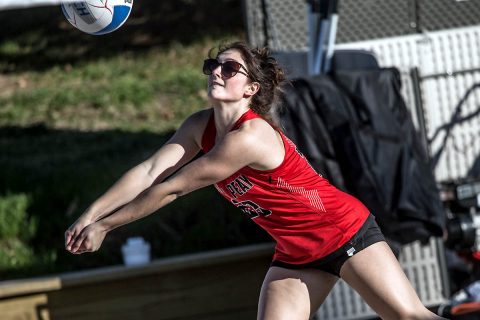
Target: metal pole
[332,33]
[419,110]
[20,4]
[322,22]
[313,30]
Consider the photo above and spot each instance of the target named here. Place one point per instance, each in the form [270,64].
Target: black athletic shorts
[368,234]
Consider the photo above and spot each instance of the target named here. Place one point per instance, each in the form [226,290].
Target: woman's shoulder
[257,126]
[258,133]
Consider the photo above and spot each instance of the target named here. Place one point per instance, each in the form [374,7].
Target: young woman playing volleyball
[321,233]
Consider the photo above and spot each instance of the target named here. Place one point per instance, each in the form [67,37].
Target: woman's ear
[252,88]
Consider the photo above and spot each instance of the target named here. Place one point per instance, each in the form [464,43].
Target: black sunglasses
[229,68]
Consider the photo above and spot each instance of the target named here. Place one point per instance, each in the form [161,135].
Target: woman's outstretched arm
[177,151]
[237,150]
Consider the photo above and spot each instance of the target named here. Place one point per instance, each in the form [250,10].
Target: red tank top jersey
[306,216]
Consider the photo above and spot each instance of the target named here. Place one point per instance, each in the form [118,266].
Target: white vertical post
[322,23]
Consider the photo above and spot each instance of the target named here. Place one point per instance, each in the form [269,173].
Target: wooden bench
[215,285]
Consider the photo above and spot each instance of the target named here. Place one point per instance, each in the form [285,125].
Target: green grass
[151,90]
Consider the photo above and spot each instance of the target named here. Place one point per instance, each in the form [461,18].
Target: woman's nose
[217,71]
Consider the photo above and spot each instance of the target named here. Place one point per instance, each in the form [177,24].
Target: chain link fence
[283,24]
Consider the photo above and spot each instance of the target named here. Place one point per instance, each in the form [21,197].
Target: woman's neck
[226,115]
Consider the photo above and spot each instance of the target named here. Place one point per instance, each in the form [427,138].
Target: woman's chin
[214,97]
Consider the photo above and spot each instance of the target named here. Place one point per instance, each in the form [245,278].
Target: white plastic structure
[136,251]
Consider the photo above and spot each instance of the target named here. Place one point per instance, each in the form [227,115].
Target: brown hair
[264,69]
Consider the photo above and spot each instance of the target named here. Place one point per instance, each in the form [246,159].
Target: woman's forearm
[89,237]
[130,185]
[149,201]
[153,171]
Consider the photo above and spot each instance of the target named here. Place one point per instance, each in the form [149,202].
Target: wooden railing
[214,285]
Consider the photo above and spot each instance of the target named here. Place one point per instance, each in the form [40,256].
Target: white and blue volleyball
[97,17]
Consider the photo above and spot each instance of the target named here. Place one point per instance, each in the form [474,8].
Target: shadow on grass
[39,38]
[63,171]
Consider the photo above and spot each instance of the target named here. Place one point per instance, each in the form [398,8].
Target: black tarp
[356,130]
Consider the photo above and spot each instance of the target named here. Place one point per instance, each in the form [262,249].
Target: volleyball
[97,17]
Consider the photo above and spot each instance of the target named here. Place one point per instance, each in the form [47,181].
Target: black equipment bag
[355,129]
